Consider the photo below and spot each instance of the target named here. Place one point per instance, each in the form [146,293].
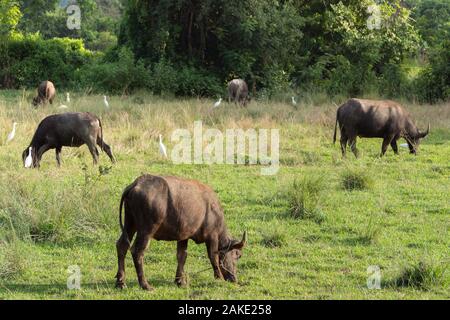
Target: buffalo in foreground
[238,92]
[45,92]
[175,209]
[67,130]
[377,119]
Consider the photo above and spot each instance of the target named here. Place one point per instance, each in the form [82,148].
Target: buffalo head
[229,257]
[414,141]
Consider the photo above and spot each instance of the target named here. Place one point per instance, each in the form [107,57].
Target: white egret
[294,103]
[105,101]
[404,145]
[29,159]
[162,147]
[12,134]
[68,97]
[63,107]
[218,103]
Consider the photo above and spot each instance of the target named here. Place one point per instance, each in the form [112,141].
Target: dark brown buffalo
[175,209]
[238,92]
[67,130]
[46,92]
[376,119]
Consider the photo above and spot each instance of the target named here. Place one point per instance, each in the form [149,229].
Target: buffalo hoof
[147,287]
[181,282]
[120,285]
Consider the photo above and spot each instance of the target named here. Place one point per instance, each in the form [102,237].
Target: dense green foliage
[192,48]
[49,17]
[30,59]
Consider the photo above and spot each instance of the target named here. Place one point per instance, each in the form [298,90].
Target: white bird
[12,134]
[294,103]
[105,101]
[404,145]
[68,97]
[63,107]
[218,103]
[29,159]
[162,147]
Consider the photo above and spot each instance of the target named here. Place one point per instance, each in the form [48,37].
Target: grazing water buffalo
[174,209]
[238,92]
[67,130]
[46,92]
[376,119]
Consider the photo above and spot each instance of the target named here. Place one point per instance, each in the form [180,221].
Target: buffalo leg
[122,246]
[43,149]
[58,156]
[344,145]
[94,151]
[213,254]
[386,142]
[394,146]
[137,252]
[352,142]
[105,147]
[180,278]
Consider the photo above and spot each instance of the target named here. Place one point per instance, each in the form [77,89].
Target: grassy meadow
[314,228]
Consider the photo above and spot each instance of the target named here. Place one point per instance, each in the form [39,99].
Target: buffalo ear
[239,245]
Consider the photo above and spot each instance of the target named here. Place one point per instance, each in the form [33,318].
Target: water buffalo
[46,92]
[238,92]
[376,119]
[175,209]
[67,130]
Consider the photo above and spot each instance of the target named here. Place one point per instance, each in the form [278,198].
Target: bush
[422,276]
[433,83]
[25,61]
[122,75]
[355,179]
[303,197]
[274,239]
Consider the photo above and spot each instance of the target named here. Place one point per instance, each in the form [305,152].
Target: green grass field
[314,228]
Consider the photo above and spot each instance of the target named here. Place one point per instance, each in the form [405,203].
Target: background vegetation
[192,48]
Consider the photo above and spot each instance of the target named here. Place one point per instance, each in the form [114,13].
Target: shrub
[422,276]
[121,76]
[303,198]
[274,239]
[28,60]
[433,83]
[355,179]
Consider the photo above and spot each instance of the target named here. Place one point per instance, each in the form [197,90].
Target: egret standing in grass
[29,159]
[218,103]
[105,101]
[294,103]
[12,134]
[162,147]
[68,97]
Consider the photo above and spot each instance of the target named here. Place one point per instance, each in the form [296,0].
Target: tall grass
[304,196]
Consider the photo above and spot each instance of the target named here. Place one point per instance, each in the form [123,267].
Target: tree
[9,17]
[254,39]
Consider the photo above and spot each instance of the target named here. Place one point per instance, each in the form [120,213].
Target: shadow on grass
[61,289]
